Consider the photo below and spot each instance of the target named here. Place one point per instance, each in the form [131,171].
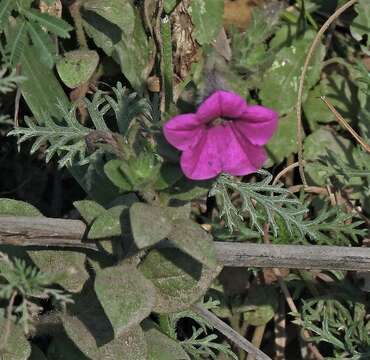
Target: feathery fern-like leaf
[127,107]
[9,82]
[29,283]
[200,345]
[335,227]
[97,112]
[51,23]
[69,139]
[273,200]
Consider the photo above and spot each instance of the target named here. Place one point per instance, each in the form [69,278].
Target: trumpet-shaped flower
[225,135]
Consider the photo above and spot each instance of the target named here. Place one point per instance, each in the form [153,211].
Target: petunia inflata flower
[225,135]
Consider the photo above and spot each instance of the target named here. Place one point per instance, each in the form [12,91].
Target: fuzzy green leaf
[361,23]
[160,346]
[6,7]
[114,173]
[283,76]
[125,294]
[67,266]
[131,345]
[317,170]
[11,207]
[260,305]
[43,43]
[169,174]
[17,42]
[89,209]
[76,67]
[207,18]
[193,240]
[116,27]
[179,279]
[107,224]
[129,107]
[149,224]
[119,12]
[167,61]
[80,335]
[341,94]
[175,213]
[17,346]
[185,190]
[283,143]
[41,90]
[68,139]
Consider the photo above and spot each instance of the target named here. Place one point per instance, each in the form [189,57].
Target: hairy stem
[259,331]
[74,9]
[8,324]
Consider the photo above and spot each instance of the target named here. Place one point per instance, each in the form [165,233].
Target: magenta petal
[258,124]
[183,131]
[203,161]
[221,104]
[238,156]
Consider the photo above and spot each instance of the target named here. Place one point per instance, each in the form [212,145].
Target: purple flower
[225,135]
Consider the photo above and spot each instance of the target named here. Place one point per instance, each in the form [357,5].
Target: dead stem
[284,171]
[74,10]
[309,189]
[345,124]
[158,37]
[311,51]
[230,333]
[289,299]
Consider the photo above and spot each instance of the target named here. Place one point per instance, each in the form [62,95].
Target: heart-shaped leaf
[76,67]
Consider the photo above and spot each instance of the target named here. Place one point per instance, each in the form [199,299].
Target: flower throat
[219,121]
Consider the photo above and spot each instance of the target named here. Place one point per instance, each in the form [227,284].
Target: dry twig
[311,51]
[289,299]
[44,233]
[345,124]
[230,333]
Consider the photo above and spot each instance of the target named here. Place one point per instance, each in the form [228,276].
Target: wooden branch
[47,232]
[294,256]
[229,332]
[42,231]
